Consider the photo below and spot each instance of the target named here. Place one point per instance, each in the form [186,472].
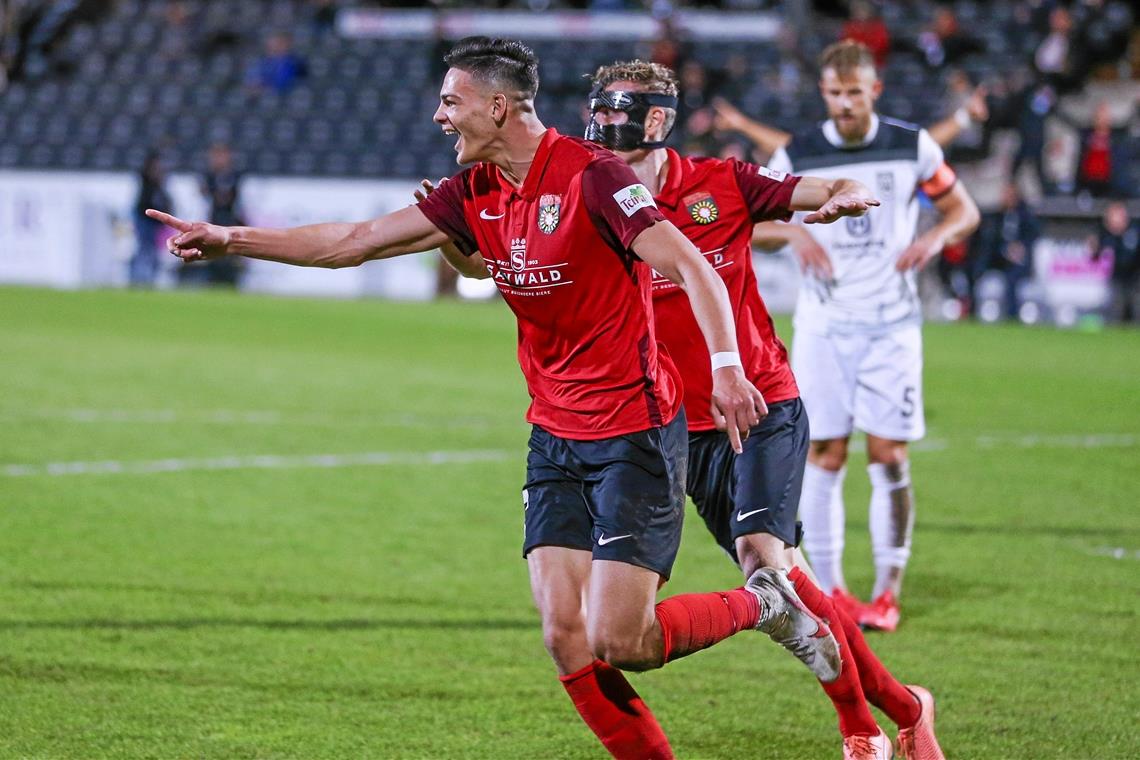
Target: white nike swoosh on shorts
[602,540]
[741,515]
[484,215]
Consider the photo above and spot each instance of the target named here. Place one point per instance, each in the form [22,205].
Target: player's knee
[892,454]
[564,640]
[829,454]
[621,652]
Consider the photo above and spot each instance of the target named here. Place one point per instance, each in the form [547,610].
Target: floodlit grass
[382,610]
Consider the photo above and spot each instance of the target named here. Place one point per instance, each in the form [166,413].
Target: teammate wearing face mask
[749,501]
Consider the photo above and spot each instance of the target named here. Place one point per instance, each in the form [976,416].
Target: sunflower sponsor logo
[702,208]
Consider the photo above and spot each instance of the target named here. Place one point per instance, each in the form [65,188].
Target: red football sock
[846,692]
[692,622]
[882,689]
[616,714]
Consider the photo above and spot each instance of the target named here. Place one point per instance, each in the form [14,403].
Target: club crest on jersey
[518,254]
[702,208]
[858,226]
[549,213]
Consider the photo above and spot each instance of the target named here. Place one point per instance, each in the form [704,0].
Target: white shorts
[869,382]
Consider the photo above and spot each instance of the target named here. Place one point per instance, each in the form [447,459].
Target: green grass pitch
[166,593]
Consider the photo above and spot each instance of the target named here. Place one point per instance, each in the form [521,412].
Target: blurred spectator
[1034,105]
[1004,243]
[143,266]
[695,89]
[1107,33]
[668,48]
[867,27]
[279,69]
[177,37]
[1059,57]
[1102,155]
[965,134]
[28,29]
[944,43]
[323,15]
[1119,237]
[220,186]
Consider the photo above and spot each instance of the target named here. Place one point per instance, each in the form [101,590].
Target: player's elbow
[477,272]
[972,218]
[339,259]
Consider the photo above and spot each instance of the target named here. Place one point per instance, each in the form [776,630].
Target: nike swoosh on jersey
[602,540]
[741,515]
[484,215]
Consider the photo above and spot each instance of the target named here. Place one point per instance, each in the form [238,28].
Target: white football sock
[822,515]
[892,520]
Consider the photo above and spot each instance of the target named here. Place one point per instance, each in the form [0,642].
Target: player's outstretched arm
[974,111]
[729,119]
[473,266]
[960,217]
[831,199]
[771,236]
[331,245]
[737,405]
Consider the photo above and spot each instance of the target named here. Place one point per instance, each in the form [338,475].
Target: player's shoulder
[582,152]
[809,141]
[896,134]
[700,169]
[477,180]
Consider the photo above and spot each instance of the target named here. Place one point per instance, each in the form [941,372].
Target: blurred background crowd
[1042,98]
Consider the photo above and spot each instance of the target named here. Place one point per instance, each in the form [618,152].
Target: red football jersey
[558,249]
[715,203]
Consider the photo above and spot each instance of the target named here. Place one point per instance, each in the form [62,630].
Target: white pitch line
[233,417]
[1114,552]
[1060,441]
[262,462]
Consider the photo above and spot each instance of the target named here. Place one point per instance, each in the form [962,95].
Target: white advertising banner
[73,230]
[1069,273]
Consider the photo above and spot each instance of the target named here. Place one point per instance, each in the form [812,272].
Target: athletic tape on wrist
[725,359]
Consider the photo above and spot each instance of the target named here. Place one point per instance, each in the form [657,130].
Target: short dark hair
[497,62]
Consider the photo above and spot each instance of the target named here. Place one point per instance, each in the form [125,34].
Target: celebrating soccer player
[569,234]
[748,501]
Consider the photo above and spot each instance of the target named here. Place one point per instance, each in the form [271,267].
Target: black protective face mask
[636,105]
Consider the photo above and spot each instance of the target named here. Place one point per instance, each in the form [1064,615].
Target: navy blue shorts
[622,498]
[759,490]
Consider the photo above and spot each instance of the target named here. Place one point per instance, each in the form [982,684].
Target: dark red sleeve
[444,209]
[621,207]
[767,192]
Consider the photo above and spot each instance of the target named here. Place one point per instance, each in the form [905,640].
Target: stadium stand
[175,74]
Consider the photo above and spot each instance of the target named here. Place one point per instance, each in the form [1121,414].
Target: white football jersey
[867,293]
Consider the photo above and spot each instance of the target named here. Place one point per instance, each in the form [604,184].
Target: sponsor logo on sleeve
[771,174]
[631,198]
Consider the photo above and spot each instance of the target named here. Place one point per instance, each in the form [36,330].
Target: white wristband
[725,359]
[962,117]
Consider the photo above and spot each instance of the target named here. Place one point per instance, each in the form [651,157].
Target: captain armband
[940,183]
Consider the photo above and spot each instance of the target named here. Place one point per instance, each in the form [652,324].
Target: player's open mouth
[452,131]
